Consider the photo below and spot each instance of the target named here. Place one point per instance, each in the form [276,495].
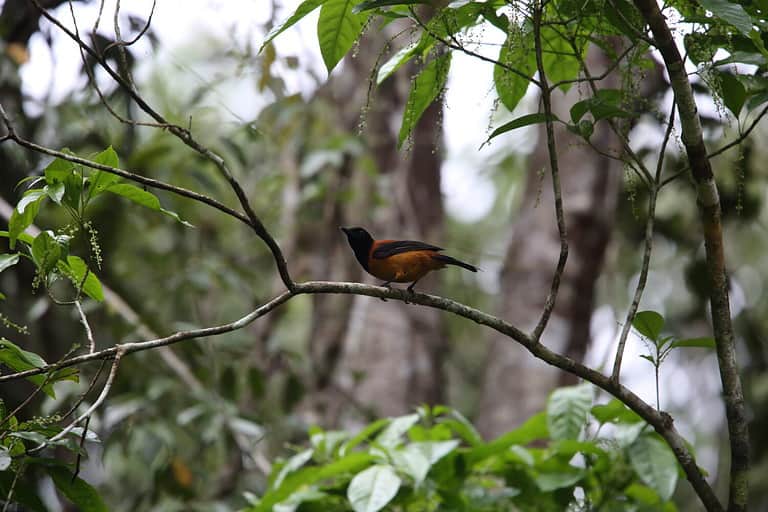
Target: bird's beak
[346,232]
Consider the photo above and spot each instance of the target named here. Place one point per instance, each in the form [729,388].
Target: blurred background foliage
[201,438]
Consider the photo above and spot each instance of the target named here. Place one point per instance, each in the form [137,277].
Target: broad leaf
[425,88]
[143,198]
[8,260]
[58,170]
[730,12]
[705,342]
[5,457]
[46,251]
[511,86]
[614,412]
[337,30]
[55,191]
[77,490]
[396,61]
[20,360]
[24,214]
[525,120]
[375,4]
[302,10]
[552,481]
[392,435]
[75,268]
[372,489]
[307,476]
[733,92]
[649,324]
[567,410]
[655,464]
[558,58]
[101,180]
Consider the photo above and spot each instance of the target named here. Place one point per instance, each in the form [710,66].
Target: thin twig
[186,137]
[87,327]
[647,251]
[119,352]
[546,99]
[743,135]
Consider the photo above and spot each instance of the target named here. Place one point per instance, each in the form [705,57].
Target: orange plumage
[398,261]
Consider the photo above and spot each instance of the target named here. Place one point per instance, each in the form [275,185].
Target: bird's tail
[453,261]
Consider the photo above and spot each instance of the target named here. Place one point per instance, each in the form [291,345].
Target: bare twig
[119,352]
[118,305]
[546,99]
[646,253]
[86,326]
[743,135]
[186,137]
[661,421]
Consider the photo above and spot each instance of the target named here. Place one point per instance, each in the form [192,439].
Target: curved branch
[546,99]
[186,137]
[660,421]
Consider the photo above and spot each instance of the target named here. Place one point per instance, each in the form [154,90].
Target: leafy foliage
[426,461]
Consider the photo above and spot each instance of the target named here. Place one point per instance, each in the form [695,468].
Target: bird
[398,261]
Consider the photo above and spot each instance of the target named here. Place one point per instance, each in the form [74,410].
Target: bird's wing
[386,248]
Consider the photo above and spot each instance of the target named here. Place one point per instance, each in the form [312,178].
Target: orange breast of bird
[405,267]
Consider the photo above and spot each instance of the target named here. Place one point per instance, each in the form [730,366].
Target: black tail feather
[453,261]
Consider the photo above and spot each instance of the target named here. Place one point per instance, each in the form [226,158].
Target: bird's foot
[385,285]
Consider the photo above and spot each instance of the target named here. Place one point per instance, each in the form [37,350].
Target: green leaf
[75,268]
[55,191]
[624,16]
[78,491]
[392,435]
[427,86]
[734,93]
[8,260]
[372,489]
[411,461]
[396,61]
[375,4]
[5,457]
[24,214]
[730,12]
[705,342]
[511,86]
[363,435]
[533,429]
[46,251]
[558,58]
[567,410]
[415,459]
[614,412]
[302,10]
[293,464]
[526,120]
[102,180]
[143,198]
[20,360]
[649,324]
[309,475]
[655,465]
[24,237]
[552,481]
[337,30]
[58,170]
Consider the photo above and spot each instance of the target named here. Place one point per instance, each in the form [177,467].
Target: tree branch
[710,215]
[660,421]
[546,98]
